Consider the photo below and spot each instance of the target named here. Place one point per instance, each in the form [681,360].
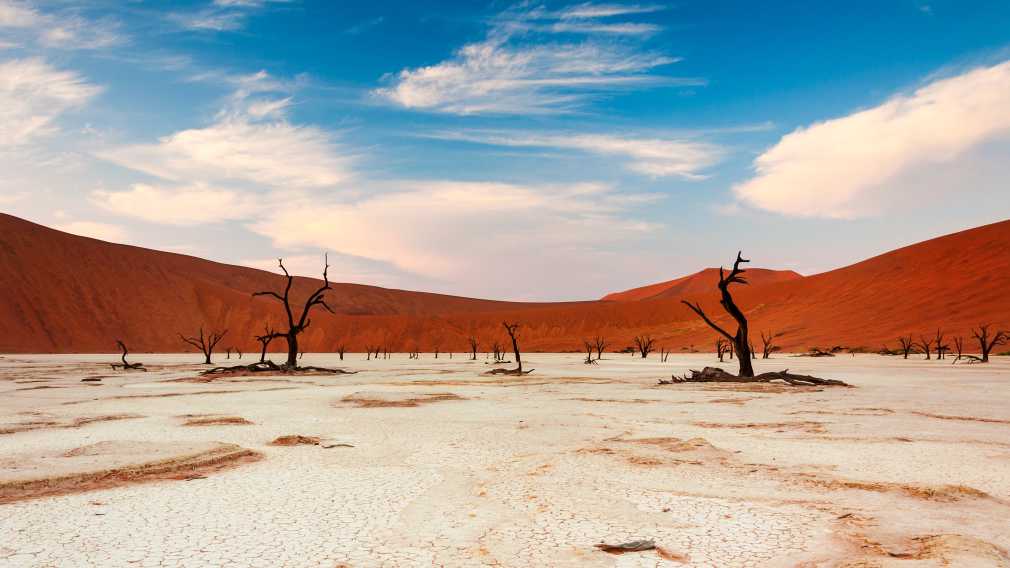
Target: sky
[509,150]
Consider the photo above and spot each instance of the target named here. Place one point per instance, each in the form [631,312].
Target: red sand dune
[698,283]
[65,293]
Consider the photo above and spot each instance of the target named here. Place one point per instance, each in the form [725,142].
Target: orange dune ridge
[67,294]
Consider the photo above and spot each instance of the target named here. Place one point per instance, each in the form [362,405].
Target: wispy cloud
[653,157]
[524,67]
[852,166]
[186,205]
[251,141]
[33,94]
[436,228]
[589,10]
[64,29]
[220,15]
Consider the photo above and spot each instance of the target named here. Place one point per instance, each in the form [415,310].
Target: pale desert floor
[429,463]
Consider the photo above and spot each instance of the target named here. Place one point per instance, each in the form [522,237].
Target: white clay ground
[911,468]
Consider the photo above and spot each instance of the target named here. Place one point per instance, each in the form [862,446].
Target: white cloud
[63,29]
[102,231]
[591,10]
[439,229]
[220,15]
[18,15]
[520,69]
[855,165]
[33,95]
[598,28]
[275,154]
[654,157]
[493,77]
[188,205]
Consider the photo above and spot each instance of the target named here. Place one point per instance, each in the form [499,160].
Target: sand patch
[962,418]
[217,421]
[56,424]
[936,550]
[111,464]
[939,493]
[807,426]
[175,394]
[618,400]
[396,400]
[295,440]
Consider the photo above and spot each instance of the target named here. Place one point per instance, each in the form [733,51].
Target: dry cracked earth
[430,463]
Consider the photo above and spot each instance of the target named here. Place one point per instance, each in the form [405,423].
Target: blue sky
[518,150]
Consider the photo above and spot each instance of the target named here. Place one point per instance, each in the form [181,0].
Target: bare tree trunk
[512,328]
[740,340]
[299,324]
[986,345]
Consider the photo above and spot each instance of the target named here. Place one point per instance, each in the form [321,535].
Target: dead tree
[986,343]
[205,343]
[721,347]
[126,365]
[436,351]
[768,344]
[959,347]
[601,344]
[740,339]
[268,335]
[341,349]
[473,347]
[227,350]
[644,345]
[907,345]
[589,352]
[664,354]
[513,330]
[299,324]
[940,346]
[498,351]
[926,345]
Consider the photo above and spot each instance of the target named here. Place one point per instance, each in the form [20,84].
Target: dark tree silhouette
[341,349]
[986,342]
[959,349]
[768,344]
[907,345]
[644,345]
[939,345]
[740,339]
[298,324]
[513,330]
[664,354]
[601,344]
[925,345]
[589,345]
[473,347]
[268,335]
[126,365]
[205,343]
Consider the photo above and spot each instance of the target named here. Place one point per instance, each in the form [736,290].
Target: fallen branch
[717,375]
[516,372]
[271,367]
